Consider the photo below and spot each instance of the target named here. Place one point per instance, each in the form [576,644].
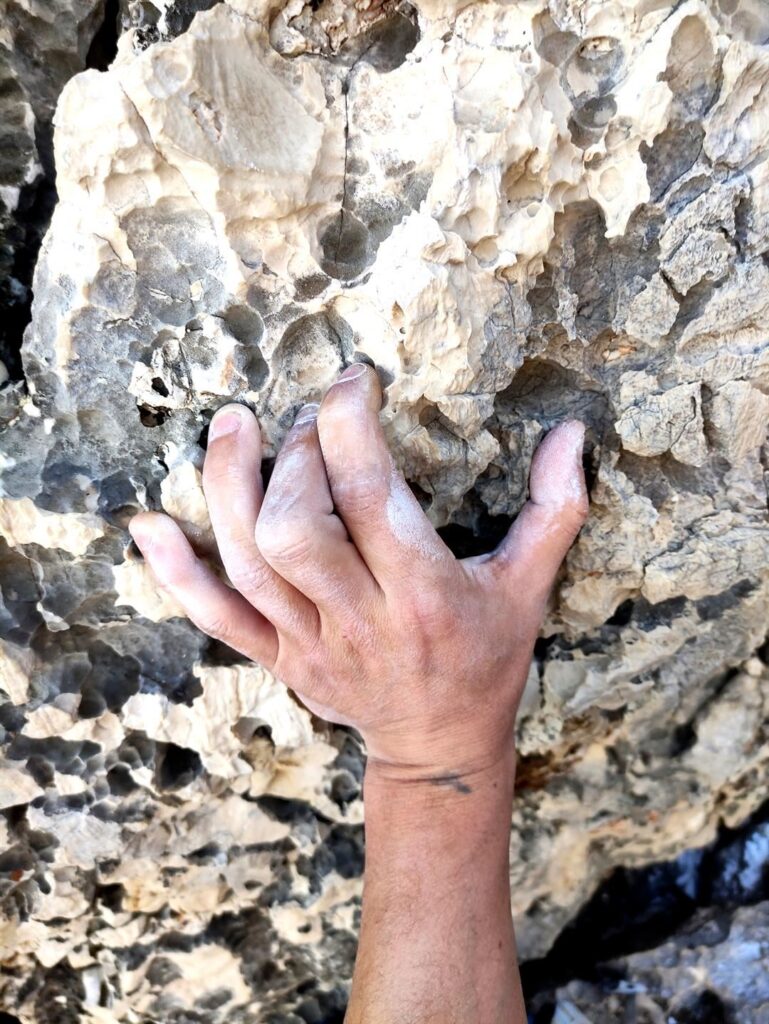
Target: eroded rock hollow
[519,212]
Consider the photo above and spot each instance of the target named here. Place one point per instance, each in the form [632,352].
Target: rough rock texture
[713,972]
[677,942]
[42,44]
[519,212]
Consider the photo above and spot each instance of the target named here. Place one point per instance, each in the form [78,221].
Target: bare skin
[344,590]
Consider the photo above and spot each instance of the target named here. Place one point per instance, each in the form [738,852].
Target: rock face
[712,972]
[519,212]
[42,44]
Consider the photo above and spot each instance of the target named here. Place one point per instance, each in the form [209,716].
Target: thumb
[536,544]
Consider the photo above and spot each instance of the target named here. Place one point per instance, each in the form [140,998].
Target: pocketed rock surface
[712,971]
[519,213]
[42,44]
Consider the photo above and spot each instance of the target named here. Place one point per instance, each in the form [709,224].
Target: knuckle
[218,627]
[287,543]
[250,576]
[357,636]
[361,494]
[428,612]
[219,463]
[264,535]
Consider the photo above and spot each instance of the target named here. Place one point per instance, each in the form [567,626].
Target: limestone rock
[42,44]
[710,971]
[519,213]
[654,420]
[738,417]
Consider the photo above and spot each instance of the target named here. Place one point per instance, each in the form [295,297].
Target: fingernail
[576,434]
[307,414]
[227,421]
[575,439]
[352,372]
[141,534]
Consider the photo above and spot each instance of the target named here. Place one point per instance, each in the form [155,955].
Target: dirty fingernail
[227,421]
[307,414]
[353,372]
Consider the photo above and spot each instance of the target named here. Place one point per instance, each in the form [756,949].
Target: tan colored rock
[739,419]
[22,522]
[654,420]
[137,587]
[210,724]
[16,666]
[724,553]
[17,787]
[652,312]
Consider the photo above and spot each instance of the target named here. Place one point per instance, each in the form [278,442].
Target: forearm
[436,943]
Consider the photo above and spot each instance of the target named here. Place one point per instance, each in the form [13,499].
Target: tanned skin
[343,589]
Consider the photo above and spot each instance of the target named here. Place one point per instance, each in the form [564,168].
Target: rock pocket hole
[344,242]
[120,781]
[702,1008]
[178,766]
[110,896]
[588,122]
[16,861]
[179,15]
[464,542]
[386,45]
[150,416]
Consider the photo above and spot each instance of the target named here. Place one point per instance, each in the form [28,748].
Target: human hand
[345,592]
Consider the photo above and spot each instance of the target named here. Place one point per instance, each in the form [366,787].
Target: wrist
[481,748]
[452,787]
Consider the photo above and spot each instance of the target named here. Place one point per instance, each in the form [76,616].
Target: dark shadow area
[176,766]
[386,44]
[640,908]
[465,542]
[30,222]
[103,48]
[179,16]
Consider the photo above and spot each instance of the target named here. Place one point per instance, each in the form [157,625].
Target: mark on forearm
[454,781]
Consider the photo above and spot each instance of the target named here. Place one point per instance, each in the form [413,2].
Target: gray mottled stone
[711,972]
[42,44]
